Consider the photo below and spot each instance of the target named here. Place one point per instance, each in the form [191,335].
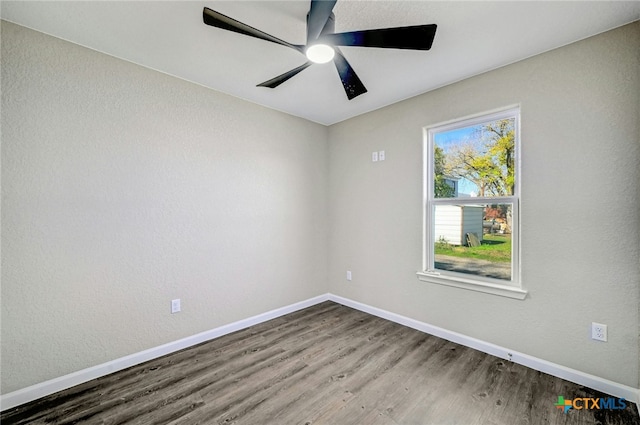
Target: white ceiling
[169,36]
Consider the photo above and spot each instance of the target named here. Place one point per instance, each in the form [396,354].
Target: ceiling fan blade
[275,82]
[319,14]
[218,20]
[353,87]
[419,37]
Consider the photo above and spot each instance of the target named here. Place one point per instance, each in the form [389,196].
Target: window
[471,185]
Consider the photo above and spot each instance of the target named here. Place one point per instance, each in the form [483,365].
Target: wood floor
[327,364]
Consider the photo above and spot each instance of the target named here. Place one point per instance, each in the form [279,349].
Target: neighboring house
[453,183]
[453,222]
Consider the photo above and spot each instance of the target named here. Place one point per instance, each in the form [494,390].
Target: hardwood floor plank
[342,350]
[174,371]
[305,350]
[315,380]
[327,364]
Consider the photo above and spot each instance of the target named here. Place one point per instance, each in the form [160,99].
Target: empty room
[320,212]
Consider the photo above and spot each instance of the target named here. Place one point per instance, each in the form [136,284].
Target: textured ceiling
[169,36]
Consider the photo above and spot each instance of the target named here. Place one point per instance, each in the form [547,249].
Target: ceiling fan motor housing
[316,50]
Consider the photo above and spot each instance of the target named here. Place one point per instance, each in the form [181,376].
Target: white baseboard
[34,392]
[609,387]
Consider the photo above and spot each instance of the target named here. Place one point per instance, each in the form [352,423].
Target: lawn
[495,248]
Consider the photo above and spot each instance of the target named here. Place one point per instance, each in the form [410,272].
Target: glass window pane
[475,161]
[474,239]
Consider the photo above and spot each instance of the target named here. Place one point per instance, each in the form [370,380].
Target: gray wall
[579,209]
[123,188]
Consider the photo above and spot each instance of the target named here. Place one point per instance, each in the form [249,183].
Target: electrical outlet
[374,157]
[175,306]
[381,156]
[348,274]
[599,331]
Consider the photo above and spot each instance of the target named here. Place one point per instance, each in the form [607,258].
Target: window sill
[473,285]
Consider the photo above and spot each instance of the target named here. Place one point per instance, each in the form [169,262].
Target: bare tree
[487,159]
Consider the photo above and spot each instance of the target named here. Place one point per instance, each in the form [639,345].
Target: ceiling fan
[322,42]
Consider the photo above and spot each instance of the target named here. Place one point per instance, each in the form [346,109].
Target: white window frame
[512,288]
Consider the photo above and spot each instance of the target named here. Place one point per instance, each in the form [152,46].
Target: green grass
[495,248]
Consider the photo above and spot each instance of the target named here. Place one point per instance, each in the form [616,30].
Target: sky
[449,138]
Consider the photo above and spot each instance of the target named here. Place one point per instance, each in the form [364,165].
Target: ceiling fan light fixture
[320,53]
[322,42]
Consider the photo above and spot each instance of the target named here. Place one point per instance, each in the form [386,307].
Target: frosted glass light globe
[320,53]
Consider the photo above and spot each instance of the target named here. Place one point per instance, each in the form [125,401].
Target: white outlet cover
[374,157]
[598,331]
[175,306]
